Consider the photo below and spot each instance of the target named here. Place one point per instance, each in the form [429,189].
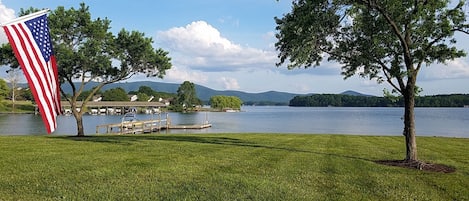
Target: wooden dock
[148,126]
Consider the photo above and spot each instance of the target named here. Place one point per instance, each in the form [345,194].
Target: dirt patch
[419,165]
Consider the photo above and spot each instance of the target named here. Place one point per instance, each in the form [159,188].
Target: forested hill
[342,100]
[204,93]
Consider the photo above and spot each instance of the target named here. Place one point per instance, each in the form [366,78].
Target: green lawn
[227,167]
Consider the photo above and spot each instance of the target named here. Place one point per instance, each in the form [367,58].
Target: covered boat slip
[113,107]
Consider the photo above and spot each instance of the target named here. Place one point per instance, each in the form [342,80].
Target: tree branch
[389,80]
[461,30]
[96,89]
[402,38]
[386,72]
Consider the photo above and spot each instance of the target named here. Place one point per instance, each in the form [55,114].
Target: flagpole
[26,17]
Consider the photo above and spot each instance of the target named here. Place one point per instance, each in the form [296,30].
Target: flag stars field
[41,36]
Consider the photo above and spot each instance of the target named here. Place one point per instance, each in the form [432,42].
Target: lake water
[448,122]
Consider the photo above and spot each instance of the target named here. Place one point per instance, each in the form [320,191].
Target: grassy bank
[227,167]
[7,106]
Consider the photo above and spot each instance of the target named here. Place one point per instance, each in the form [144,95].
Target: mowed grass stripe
[226,167]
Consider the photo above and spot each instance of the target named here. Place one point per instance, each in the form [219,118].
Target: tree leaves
[368,37]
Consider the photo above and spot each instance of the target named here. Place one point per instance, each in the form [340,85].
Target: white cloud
[181,74]
[229,83]
[458,68]
[6,14]
[202,55]
[301,87]
[201,46]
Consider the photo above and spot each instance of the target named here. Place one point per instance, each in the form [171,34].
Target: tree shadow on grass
[229,141]
[131,139]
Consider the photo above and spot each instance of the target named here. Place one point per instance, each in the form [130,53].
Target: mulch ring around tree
[419,165]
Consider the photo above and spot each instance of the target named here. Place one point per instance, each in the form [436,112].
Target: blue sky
[229,45]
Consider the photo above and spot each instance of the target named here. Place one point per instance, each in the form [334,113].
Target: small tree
[14,78]
[187,96]
[385,40]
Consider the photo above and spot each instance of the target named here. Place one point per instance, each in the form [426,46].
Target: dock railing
[146,126]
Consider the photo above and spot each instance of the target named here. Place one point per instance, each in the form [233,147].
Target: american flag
[30,39]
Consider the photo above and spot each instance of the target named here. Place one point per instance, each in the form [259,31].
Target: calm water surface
[448,122]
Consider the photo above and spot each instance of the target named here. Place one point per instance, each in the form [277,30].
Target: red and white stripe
[42,75]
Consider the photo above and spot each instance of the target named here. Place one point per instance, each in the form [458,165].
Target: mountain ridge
[204,93]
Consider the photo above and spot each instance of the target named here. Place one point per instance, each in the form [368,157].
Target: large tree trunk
[409,123]
[79,119]
[80,131]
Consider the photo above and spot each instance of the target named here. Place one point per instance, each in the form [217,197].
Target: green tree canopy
[145,93]
[143,97]
[115,94]
[225,102]
[4,89]
[25,94]
[187,95]
[146,90]
[384,40]
[7,56]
